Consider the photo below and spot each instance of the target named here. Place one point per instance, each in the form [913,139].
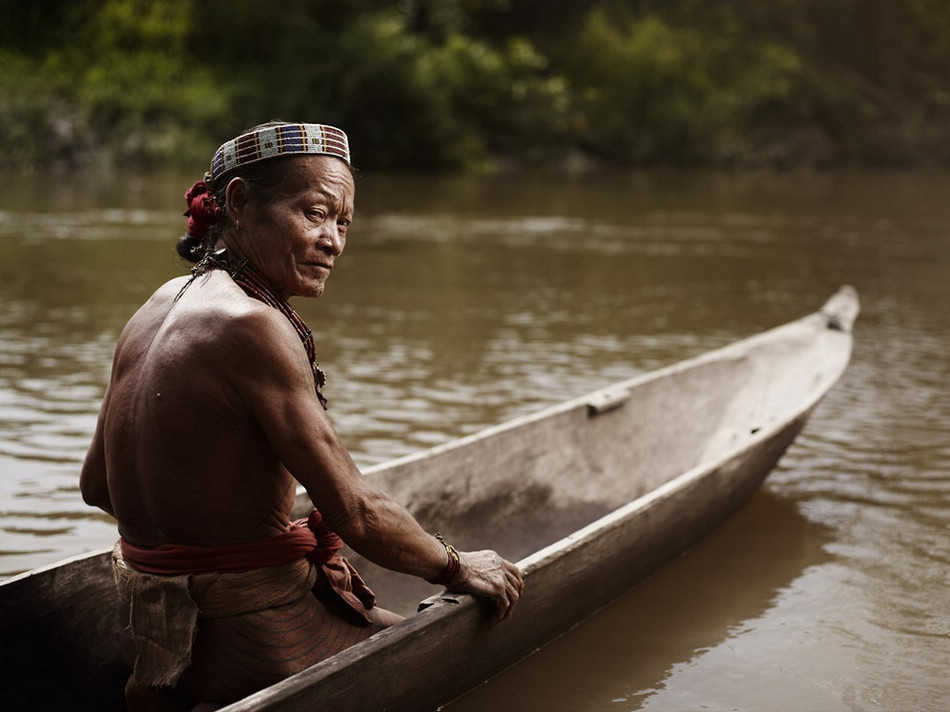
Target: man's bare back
[188,462]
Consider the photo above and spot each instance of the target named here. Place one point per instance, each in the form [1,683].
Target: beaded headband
[279,140]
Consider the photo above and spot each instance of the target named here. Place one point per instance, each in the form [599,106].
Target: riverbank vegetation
[468,84]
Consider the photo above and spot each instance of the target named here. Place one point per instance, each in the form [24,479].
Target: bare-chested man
[212,415]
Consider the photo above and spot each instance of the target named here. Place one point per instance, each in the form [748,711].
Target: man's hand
[486,574]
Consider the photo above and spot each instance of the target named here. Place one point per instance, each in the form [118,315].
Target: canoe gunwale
[837,314]
[458,622]
[72,561]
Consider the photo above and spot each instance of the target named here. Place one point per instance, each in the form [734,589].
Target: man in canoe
[214,411]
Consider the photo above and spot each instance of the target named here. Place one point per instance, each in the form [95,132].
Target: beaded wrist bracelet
[451,569]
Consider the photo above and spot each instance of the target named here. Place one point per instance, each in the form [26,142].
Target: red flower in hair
[203,210]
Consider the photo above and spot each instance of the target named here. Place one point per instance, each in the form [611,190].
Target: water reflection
[621,655]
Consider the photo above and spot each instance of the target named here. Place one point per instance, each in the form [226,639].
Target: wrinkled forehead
[327,176]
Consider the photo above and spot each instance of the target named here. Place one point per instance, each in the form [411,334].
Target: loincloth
[166,602]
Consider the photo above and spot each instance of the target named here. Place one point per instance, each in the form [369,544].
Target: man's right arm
[276,384]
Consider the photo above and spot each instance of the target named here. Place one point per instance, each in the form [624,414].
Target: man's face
[295,239]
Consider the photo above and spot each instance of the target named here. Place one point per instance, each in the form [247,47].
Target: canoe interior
[61,638]
[526,484]
[622,479]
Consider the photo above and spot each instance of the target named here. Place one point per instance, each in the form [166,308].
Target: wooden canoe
[590,496]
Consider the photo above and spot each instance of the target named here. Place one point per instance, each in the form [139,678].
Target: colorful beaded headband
[280,140]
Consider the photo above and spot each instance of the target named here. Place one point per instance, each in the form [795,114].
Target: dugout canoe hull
[605,488]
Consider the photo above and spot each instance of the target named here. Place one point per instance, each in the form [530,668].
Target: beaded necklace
[255,285]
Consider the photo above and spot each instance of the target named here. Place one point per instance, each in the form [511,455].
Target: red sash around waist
[305,538]
[308,538]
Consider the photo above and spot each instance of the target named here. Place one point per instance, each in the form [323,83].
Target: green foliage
[436,84]
[873,76]
[119,91]
[435,98]
[655,92]
[138,95]
[29,131]
[642,87]
[417,103]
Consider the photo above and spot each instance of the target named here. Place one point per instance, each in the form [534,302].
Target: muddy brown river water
[461,302]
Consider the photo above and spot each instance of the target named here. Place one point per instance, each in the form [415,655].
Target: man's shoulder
[214,295]
[208,309]
[217,311]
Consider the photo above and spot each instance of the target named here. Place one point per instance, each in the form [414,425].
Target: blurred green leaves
[473,84]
